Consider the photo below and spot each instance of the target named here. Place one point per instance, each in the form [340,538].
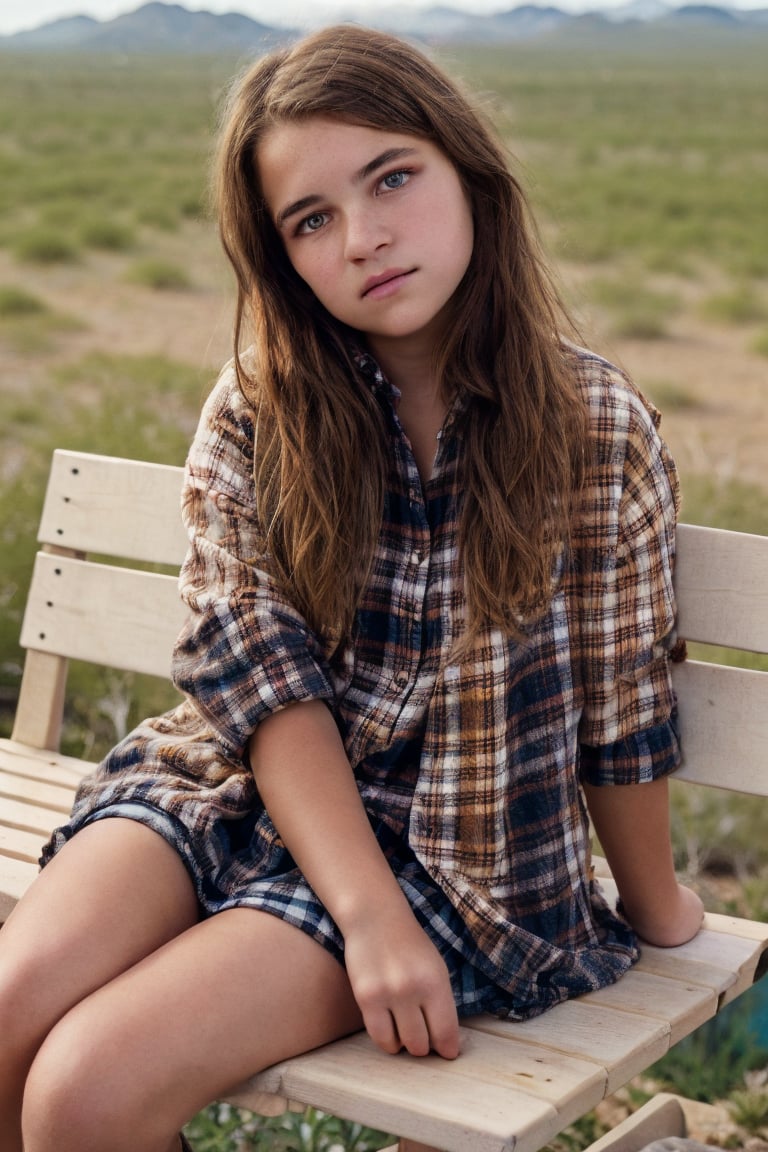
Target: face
[376,223]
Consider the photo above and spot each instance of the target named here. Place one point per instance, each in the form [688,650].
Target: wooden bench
[514,1085]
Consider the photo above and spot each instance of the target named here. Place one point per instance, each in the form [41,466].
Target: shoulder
[631,474]
[624,424]
[221,454]
[616,406]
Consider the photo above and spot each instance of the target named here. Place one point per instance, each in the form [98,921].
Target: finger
[442,1023]
[380,1026]
[412,1030]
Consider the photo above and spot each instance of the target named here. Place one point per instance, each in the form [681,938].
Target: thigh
[112,895]
[229,997]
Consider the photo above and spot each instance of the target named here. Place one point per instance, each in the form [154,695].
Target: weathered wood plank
[35,792]
[659,1119]
[19,845]
[482,1102]
[723,716]
[683,1005]
[15,877]
[721,580]
[115,507]
[619,1042]
[117,617]
[42,764]
[30,817]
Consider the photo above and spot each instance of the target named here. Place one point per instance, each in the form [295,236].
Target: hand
[678,923]
[402,987]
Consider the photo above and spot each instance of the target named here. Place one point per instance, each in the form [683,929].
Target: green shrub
[760,344]
[45,246]
[710,1063]
[18,302]
[161,275]
[749,1109]
[670,396]
[639,313]
[109,235]
[221,1128]
[743,305]
[731,504]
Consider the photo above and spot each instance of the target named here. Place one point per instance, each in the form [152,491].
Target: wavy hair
[319,497]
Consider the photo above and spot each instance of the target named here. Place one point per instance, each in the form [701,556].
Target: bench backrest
[84,608]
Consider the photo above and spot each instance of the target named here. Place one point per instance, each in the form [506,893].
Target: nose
[365,234]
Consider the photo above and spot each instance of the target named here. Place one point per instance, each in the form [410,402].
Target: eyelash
[302,228]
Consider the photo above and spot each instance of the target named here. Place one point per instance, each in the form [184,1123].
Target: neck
[409,367]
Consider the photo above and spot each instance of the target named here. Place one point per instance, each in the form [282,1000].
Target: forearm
[397,976]
[632,825]
[308,788]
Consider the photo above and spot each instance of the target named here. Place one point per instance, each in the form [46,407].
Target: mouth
[387,282]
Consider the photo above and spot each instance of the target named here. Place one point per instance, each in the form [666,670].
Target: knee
[79,1098]
[58,1110]
[70,1103]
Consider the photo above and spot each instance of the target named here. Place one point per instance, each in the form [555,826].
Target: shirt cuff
[637,759]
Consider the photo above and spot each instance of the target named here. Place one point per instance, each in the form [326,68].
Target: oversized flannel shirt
[477,764]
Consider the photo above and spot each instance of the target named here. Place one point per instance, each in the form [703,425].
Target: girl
[430,612]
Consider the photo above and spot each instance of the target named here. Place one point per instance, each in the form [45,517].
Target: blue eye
[312,223]
[396,179]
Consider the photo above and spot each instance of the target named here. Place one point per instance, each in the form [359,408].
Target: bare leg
[112,895]
[129,1065]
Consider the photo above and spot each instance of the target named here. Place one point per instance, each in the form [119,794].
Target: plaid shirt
[476,764]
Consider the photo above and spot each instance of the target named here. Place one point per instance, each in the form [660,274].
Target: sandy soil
[722,432]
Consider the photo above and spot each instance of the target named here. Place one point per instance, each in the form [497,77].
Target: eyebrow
[362,174]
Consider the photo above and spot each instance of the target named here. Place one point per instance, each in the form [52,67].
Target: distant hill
[159,27]
[154,27]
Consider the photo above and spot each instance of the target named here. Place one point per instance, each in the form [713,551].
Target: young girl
[430,612]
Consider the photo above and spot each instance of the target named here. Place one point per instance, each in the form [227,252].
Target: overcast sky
[18,14]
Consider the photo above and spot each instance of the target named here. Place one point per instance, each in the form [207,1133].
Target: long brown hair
[319,496]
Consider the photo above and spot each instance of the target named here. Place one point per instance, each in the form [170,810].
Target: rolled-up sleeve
[244,652]
[627,626]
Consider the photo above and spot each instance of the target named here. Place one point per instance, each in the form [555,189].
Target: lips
[386,282]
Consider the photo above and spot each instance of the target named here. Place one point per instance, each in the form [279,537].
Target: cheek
[314,269]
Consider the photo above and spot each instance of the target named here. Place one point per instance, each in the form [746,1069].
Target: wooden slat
[42,764]
[495,1096]
[19,845]
[619,1042]
[34,792]
[15,877]
[115,507]
[683,1005]
[722,587]
[40,707]
[724,726]
[30,817]
[117,617]
[661,1118]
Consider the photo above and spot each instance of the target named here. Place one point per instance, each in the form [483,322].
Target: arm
[398,978]
[632,825]
[244,651]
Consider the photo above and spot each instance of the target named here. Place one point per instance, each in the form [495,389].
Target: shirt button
[401,678]
[416,557]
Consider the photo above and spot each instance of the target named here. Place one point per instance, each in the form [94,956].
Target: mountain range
[160,27]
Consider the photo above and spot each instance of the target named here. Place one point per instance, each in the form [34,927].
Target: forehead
[307,156]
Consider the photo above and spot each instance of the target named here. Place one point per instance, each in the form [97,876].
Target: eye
[396,179]
[311,223]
